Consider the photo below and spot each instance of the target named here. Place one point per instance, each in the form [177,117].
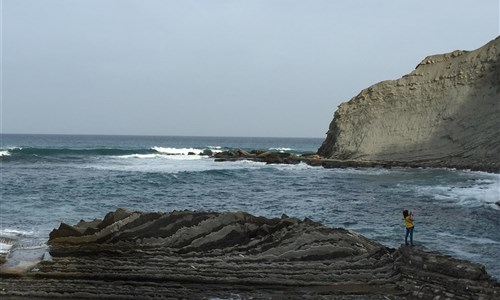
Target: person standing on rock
[408,216]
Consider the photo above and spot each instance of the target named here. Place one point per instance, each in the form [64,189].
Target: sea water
[49,179]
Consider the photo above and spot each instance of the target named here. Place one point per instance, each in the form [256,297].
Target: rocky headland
[235,255]
[445,113]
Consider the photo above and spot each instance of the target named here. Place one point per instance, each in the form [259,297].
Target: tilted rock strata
[198,255]
[268,157]
[446,112]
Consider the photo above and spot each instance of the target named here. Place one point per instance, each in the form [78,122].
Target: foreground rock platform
[235,255]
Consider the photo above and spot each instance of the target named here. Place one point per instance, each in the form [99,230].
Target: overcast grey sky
[215,67]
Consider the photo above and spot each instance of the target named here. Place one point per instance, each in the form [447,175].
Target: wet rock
[200,255]
[65,230]
[269,157]
[111,218]
[437,276]
[258,152]
[421,259]
[207,152]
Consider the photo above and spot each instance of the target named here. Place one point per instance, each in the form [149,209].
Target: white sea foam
[162,156]
[9,237]
[29,245]
[140,156]
[469,197]
[11,232]
[5,248]
[185,157]
[171,164]
[215,149]
[300,166]
[176,151]
[4,153]
[471,193]
[364,171]
[24,258]
[6,244]
[281,149]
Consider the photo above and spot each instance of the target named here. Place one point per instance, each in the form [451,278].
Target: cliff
[446,113]
[235,255]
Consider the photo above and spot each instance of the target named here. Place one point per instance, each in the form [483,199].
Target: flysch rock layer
[209,255]
[446,113]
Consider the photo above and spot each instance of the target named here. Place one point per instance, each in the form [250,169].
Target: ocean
[49,179]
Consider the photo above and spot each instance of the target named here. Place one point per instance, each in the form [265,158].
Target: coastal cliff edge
[445,113]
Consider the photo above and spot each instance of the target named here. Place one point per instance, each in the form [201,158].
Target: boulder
[65,230]
[207,152]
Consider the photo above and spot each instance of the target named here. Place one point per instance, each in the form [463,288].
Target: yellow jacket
[409,222]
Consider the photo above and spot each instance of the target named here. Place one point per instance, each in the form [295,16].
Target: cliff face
[447,112]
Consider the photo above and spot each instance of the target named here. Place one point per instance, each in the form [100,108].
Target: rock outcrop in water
[446,113]
[209,255]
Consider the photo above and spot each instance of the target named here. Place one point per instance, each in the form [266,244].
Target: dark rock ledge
[209,255]
[313,159]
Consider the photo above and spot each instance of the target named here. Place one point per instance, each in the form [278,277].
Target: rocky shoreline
[313,159]
[235,255]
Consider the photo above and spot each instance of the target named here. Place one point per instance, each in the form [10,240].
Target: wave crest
[33,151]
[177,151]
[281,149]
[4,153]
[18,153]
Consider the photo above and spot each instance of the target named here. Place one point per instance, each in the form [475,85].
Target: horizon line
[164,135]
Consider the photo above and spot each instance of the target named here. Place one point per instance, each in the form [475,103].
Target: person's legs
[406,236]
[411,235]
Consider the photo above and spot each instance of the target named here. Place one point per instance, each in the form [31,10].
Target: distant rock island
[446,113]
[235,255]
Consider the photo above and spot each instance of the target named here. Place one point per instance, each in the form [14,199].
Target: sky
[214,67]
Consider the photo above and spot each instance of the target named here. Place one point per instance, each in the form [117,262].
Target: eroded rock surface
[446,113]
[202,255]
[268,157]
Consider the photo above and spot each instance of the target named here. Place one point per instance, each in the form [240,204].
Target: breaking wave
[43,152]
[17,153]
[10,232]
[9,237]
[177,151]
[4,153]
[281,149]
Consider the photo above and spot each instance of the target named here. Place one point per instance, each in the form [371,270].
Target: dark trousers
[409,232]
